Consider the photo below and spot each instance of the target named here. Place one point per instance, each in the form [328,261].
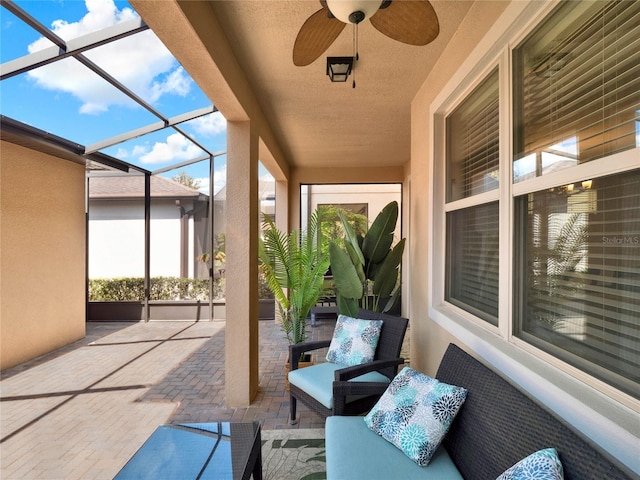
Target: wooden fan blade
[315,36]
[408,21]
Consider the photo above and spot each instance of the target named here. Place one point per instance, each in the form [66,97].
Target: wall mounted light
[339,68]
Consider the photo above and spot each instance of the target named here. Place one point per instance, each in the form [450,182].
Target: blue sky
[68,100]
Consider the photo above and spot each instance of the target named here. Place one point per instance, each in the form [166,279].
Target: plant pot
[307,362]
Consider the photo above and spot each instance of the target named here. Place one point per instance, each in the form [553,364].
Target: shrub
[162,288]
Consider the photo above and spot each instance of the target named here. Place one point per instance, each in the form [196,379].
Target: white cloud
[137,61]
[136,152]
[209,125]
[176,83]
[176,148]
[139,150]
[219,181]
[204,185]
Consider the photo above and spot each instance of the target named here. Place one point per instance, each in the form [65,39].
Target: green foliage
[331,224]
[294,266]
[126,289]
[366,270]
[187,180]
[219,256]
[116,289]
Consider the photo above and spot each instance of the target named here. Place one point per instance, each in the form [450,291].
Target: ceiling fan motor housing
[353,11]
[356,17]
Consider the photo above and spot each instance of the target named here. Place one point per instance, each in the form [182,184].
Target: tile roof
[133,187]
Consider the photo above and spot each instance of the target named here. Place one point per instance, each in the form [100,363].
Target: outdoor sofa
[497,426]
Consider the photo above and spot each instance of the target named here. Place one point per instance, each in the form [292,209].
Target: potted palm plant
[294,266]
[366,270]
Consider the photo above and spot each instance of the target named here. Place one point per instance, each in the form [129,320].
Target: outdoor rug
[293,454]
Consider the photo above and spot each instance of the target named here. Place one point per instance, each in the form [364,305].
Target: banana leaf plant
[294,266]
[366,272]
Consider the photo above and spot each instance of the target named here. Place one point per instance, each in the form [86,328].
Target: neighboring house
[179,217]
[178,226]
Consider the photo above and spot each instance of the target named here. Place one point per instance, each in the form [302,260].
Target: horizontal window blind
[472,260]
[472,142]
[577,85]
[581,261]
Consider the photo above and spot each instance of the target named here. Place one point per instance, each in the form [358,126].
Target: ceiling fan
[408,21]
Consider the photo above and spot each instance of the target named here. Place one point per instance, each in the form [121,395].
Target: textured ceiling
[324,124]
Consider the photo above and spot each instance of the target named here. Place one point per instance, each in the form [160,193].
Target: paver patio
[82,411]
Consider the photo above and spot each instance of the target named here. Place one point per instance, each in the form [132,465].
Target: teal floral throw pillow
[415,413]
[354,341]
[541,465]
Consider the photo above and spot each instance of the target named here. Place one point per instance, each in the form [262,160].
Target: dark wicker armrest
[297,350]
[348,373]
[342,390]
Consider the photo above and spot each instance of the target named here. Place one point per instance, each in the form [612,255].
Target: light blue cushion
[354,341]
[355,452]
[415,413]
[541,465]
[317,381]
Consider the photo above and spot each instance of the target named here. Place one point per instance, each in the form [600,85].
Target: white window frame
[483,198]
[600,411]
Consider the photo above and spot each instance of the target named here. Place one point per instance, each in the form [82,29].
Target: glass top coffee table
[219,450]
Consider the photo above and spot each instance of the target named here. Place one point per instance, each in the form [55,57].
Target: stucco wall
[428,340]
[42,254]
[375,196]
[606,420]
[116,238]
[319,176]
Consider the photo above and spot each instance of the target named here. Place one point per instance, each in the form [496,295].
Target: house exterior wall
[376,196]
[428,340]
[42,253]
[116,238]
[109,224]
[319,176]
[605,421]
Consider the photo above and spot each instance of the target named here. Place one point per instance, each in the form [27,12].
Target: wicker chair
[345,394]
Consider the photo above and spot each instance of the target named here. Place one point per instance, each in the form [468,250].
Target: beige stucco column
[241,337]
[282,205]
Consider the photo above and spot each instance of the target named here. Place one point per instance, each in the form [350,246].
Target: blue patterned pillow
[541,465]
[354,341]
[415,413]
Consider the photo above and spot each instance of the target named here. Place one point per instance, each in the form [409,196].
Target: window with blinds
[580,249]
[574,245]
[472,260]
[577,87]
[472,142]
[473,160]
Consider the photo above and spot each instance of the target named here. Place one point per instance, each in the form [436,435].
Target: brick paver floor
[82,411]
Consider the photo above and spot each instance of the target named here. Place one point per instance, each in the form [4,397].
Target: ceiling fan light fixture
[353,11]
[339,68]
